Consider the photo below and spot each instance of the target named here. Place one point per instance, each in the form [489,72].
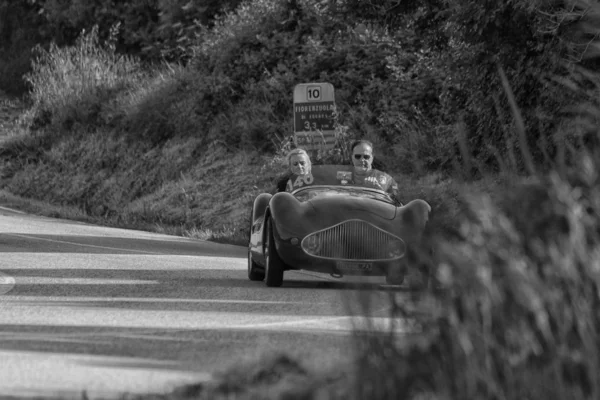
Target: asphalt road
[115,311]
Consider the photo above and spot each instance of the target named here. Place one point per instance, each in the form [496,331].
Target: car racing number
[300,181]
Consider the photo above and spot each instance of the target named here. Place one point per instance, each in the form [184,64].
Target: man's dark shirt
[378,180]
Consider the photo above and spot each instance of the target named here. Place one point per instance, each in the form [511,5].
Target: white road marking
[44,299]
[121,262]
[36,225]
[44,280]
[344,323]
[7,283]
[81,244]
[77,316]
[11,210]
[96,337]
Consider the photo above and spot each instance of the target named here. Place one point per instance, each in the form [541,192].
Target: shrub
[72,84]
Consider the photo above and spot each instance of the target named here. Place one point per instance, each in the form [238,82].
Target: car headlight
[311,244]
[395,250]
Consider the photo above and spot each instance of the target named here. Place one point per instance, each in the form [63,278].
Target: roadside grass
[207,203]
[516,313]
[42,208]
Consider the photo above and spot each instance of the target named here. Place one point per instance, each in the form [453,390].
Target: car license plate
[354,266]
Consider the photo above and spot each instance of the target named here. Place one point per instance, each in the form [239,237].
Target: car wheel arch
[261,203]
[265,232]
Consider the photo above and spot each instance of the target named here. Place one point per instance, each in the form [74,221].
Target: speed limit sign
[314,107]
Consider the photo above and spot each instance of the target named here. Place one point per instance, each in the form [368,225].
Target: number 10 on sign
[313,93]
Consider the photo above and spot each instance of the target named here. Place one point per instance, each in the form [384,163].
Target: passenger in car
[364,174]
[300,167]
[299,163]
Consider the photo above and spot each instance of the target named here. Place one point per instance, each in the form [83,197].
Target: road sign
[314,106]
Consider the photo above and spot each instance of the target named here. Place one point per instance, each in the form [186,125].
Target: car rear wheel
[255,272]
[273,264]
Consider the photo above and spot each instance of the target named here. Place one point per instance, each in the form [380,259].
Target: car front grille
[354,240]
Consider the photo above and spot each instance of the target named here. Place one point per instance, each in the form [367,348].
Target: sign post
[314,106]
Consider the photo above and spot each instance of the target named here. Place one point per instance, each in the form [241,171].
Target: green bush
[71,85]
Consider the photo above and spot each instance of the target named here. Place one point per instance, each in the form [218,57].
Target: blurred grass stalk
[517,317]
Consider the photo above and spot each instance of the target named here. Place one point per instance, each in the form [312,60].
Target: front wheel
[424,269]
[255,272]
[273,264]
[422,280]
[395,278]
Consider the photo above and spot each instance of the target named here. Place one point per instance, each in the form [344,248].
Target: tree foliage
[417,77]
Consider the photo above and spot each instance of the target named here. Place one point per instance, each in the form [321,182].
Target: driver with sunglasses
[365,175]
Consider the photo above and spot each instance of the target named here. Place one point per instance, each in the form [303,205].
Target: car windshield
[312,192]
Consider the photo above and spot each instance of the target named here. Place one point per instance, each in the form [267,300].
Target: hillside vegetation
[174,115]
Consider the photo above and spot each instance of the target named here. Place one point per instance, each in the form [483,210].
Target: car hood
[296,219]
[353,207]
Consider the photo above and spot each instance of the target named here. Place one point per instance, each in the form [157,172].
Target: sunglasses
[296,163]
[359,156]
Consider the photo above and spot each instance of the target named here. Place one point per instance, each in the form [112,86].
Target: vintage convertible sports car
[327,224]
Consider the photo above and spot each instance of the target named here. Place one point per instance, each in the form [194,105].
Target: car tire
[423,279]
[273,264]
[255,272]
[395,278]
